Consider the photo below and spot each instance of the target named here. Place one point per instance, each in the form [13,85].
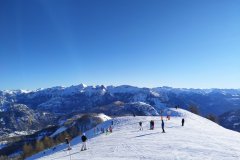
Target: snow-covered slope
[199,139]
[88,121]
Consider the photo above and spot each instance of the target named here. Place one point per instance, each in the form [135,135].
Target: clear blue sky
[178,43]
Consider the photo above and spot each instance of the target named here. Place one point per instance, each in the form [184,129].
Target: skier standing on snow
[151,125]
[68,143]
[163,131]
[110,129]
[84,142]
[140,125]
[183,120]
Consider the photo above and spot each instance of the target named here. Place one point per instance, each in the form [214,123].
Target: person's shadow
[147,134]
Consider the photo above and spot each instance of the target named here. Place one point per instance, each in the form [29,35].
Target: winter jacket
[183,121]
[84,138]
[67,141]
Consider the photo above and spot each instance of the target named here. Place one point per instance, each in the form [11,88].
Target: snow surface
[21,133]
[104,117]
[199,139]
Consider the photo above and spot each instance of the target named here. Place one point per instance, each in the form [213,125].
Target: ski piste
[67,149]
[84,150]
[198,139]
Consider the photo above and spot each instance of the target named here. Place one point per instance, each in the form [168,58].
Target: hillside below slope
[198,139]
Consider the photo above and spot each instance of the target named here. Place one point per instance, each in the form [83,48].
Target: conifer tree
[39,146]
[27,150]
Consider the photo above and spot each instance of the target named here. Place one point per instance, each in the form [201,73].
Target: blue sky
[178,43]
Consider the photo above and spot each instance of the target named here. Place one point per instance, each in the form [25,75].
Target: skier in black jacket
[163,131]
[68,143]
[183,122]
[151,125]
[140,125]
[84,142]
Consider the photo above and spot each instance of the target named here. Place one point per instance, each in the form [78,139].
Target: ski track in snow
[199,139]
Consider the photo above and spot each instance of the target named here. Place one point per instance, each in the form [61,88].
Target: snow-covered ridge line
[120,88]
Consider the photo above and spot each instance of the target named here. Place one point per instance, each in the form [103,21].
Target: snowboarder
[84,142]
[183,120]
[68,143]
[163,131]
[140,125]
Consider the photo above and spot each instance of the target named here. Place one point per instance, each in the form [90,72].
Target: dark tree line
[48,142]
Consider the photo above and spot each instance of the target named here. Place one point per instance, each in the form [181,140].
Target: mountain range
[24,112]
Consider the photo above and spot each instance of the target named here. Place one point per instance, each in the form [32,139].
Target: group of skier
[84,142]
[151,125]
[102,130]
[109,130]
[84,137]
[162,121]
